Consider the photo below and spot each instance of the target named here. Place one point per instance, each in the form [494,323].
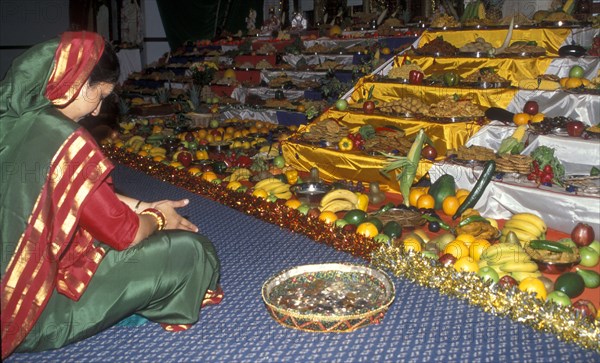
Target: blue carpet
[421,326]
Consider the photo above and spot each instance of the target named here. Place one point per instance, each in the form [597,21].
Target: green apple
[559,298]
[303,208]
[341,105]
[340,223]
[589,256]
[576,72]
[382,238]
[213,124]
[595,245]
[279,161]
[430,254]
[488,273]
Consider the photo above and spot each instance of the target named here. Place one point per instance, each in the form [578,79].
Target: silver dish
[486,85]
[310,193]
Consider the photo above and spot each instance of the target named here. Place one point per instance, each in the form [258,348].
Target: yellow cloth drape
[493,97]
[549,38]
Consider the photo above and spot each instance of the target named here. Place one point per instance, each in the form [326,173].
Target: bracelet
[137,205]
[161,221]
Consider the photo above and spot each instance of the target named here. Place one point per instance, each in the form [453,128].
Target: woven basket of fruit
[406,217]
[329,297]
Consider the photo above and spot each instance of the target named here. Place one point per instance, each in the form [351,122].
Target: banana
[337,205]
[508,257]
[519,267]
[134,139]
[482,263]
[262,183]
[531,218]
[520,275]
[523,226]
[285,195]
[340,194]
[282,188]
[499,249]
[241,174]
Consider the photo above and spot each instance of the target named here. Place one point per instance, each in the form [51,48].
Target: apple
[382,238]
[575,128]
[430,254]
[279,161]
[585,308]
[341,105]
[340,223]
[531,108]
[447,260]
[185,158]
[507,281]
[559,298]
[589,256]
[304,208]
[576,72]
[582,234]
[189,137]
[213,124]
[369,107]
[349,228]
[487,273]
[429,152]
[595,245]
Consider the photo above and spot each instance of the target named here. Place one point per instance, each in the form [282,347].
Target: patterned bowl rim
[390,289]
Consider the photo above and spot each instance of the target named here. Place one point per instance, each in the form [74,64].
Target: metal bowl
[219,146]
[310,193]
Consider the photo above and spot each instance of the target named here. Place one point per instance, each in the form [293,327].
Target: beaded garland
[523,307]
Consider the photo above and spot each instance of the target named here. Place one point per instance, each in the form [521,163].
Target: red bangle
[161,221]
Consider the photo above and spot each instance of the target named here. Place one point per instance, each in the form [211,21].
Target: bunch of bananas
[509,258]
[275,187]
[135,143]
[526,226]
[157,151]
[239,174]
[337,200]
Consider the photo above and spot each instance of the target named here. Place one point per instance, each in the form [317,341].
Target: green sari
[59,285]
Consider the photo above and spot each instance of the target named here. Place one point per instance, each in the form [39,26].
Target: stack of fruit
[509,258]
[272,188]
[341,200]
[526,227]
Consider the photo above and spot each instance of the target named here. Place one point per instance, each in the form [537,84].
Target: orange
[293,203]
[158,158]
[367,229]
[450,205]
[142,153]
[534,285]
[477,247]
[194,170]
[573,83]
[466,238]
[461,199]
[466,264]
[457,248]
[209,176]
[538,117]
[260,193]
[521,118]
[563,82]
[328,217]
[412,245]
[386,50]
[414,195]
[461,192]
[425,201]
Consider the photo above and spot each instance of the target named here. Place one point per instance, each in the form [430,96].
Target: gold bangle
[161,221]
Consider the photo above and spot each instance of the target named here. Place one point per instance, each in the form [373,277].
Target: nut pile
[404,105]
[326,130]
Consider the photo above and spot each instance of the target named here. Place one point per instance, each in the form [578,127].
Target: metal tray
[485,85]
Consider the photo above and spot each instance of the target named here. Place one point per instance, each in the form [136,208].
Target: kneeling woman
[77,257]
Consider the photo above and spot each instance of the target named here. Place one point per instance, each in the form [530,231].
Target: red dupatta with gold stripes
[52,252]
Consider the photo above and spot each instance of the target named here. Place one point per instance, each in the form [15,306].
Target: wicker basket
[310,277]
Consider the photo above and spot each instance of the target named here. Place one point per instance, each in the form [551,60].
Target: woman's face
[88,101]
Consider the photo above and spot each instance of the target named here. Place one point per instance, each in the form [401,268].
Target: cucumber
[489,168]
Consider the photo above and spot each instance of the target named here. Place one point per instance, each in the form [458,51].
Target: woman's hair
[108,69]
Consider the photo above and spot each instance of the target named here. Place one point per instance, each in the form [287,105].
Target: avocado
[355,216]
[443,187]
[570,283]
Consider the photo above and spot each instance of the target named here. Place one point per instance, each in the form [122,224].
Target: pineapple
[493,9]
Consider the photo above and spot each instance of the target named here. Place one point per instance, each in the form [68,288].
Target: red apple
[507,281]
[586,309]
[583,234]
[447,260]
[531,107]
[429,152]
[185,158]
[575,128]
[369,107]
[189,137]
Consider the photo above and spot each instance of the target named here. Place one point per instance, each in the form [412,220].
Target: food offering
[479,48]
[485,77]
[522,49]
[326,133]
[387,140]
[408,107]
[328,297]
[437,48]
[455,109]
[444,21]
[400,74]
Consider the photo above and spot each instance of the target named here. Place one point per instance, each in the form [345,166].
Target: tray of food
[330,297]
[485,84]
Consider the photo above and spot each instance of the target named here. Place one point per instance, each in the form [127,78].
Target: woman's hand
[174,220]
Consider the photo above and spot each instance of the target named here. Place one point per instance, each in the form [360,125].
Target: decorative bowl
[555,268]
[310,193]
[331,297]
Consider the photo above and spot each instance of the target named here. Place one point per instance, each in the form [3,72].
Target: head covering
[42,185]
